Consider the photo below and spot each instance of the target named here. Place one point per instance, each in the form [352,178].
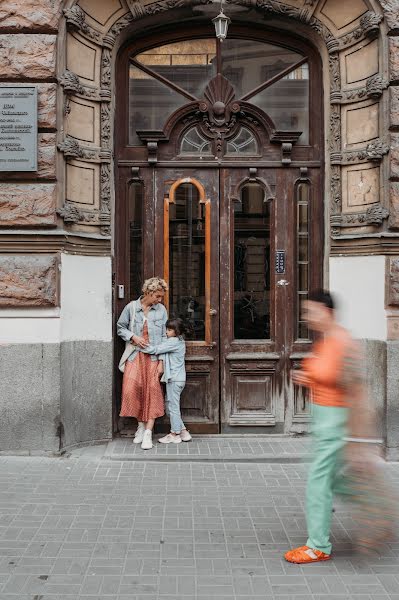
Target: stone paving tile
[227,447]
[96,529]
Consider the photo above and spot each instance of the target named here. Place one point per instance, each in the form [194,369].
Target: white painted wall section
[86,298]
[85,313]
[358,283]
[29,330]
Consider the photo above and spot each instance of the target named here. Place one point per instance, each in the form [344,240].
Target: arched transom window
[270,77]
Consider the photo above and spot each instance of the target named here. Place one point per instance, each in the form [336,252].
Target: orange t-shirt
[325,370]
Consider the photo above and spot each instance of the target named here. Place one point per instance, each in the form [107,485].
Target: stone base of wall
[30,397]
[55,396]
[392,402]
[86,392]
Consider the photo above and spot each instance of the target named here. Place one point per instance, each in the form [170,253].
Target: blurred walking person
[334,375]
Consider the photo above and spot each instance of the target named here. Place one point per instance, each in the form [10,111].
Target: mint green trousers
[325,476]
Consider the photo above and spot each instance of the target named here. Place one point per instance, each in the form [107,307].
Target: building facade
[246,173]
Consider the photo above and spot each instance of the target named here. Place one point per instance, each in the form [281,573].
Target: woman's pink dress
[142,395]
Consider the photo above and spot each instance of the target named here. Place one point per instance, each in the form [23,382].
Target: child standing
[172,352]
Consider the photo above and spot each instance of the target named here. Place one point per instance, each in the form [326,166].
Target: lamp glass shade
[221,23]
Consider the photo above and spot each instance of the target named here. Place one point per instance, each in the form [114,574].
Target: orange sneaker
[305,555]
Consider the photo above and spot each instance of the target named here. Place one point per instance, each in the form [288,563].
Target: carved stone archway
[358,78]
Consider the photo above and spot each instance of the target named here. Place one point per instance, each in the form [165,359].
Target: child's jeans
[173,393]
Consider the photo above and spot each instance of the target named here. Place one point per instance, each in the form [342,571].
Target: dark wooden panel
[252,393]
[196,397]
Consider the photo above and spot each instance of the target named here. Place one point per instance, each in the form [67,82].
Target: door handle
[213,312]
[283,282]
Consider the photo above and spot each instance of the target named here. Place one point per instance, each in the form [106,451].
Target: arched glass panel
[252,264]
[150,103]
[135,217]
[193,143]
[189,64]
[302,199]
[243,143]
[248,63]
[164,78]
[287,102]
[187,249]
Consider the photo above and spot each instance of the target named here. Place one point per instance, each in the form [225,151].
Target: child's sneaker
[170,439]
[185,436]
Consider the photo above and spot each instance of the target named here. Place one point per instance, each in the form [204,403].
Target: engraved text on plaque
[18,128]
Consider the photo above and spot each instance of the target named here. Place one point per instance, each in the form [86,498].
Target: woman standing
[142,322]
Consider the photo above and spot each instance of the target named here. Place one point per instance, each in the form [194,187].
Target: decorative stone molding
[335,78]
[335,133]
[374,152]
[393,282]
[71,214]
[374,89]
[105,198]
[72,86]
[111,37]
[373,216]
[336,190]
[369,27]
[76,21]
[72,149]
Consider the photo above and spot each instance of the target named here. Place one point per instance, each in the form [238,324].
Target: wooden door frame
[127,157]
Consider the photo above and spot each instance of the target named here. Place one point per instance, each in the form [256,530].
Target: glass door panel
[251,216]
[187,259]
[186,254]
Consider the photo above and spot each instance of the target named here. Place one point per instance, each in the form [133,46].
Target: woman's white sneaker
[185,436]
[139,435]
[170,439]
[147,440]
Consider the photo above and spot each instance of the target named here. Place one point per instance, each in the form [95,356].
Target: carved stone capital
[369,27]
[69,213]
[370,24]
[111,37]
[72,149]
[374,152]
[72,86]
[76,21]
[71,83]
[374,88]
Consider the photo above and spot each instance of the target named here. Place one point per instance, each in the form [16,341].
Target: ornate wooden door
[219,191]
[265,272]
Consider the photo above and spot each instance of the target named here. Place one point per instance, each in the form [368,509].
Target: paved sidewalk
[221,448]
[86,527]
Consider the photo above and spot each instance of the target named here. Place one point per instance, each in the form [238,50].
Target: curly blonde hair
[154,284]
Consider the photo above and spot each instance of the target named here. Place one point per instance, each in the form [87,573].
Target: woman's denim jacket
[156,319]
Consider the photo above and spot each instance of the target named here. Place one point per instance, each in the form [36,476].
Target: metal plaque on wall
[18,128]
